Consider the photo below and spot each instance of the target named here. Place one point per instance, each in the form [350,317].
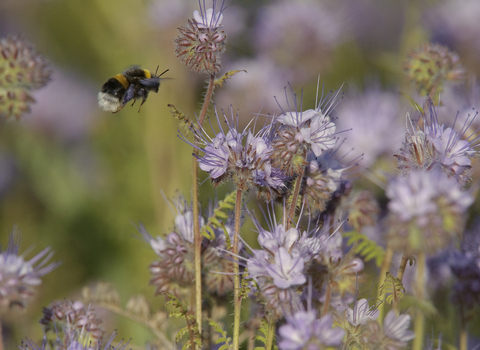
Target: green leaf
[393,288]
[365,247]
[220,81]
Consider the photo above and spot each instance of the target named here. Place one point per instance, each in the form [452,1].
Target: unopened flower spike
[22,69]
[202,40]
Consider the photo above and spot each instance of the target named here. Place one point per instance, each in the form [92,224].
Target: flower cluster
[22,69]
[202,41]
[18,277]
[243,157]
[426,211]
[72,318]
[434,146]
[174,272]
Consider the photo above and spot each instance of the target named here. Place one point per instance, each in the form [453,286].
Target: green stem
[401,268]
[1,335]
[270,334]
[387,261]
[419,327]
[236,273]
[196,211]
[328,294]
[293,205]
[463,339]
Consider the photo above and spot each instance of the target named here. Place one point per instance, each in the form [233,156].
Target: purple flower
[18,276]
[304,331]
[361,313]
[396,327]
[287,271]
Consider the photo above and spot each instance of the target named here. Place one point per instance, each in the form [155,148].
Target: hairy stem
[387,261]
[236,273]
[270,334]
[419,327]
[195,207]
[1,335]
[401,268]
[293,205]
[328,294]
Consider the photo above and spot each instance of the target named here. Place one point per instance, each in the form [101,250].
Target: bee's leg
[143,101]
[119,109]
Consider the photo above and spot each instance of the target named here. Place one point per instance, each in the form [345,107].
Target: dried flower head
[21,69]
[18,276]
[201,41]
[430,66]
[72,318]
[301,132]
[429,145]
[426,211]
[362,210]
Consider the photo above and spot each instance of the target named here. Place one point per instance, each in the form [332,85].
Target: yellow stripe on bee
[121,78]
[148,75]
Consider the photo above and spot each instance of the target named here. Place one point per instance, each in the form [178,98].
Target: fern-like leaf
[367,248]
[262,337]
[220,81]
[224,339]
[213,222]
[185,123]
[393,288]
[191,328]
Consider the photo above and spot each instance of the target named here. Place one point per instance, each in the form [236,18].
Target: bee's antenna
[163,72]
[156,70]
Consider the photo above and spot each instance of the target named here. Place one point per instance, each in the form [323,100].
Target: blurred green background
[78,179]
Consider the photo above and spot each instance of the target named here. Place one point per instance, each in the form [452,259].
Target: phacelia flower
[323,177]
[72,318]
[434,146]
[22,69]
[18,277]
[372,115]
[202,41]
[426,210]
[243,157]
[76,342]
[394,335]
[300,132]
[304,330]
[430,66]
[174,272]
[361,313]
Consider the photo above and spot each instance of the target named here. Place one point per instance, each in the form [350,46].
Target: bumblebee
[133,84]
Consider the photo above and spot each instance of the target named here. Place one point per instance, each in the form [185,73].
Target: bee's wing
[150,81]
[129,93]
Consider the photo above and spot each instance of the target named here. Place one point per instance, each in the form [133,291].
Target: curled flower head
[18,277]
[243,157]
[434,146]
[201,41]
[22,69]
[430,66]
[425,211]
[72,318]
[300,132]
[304,330]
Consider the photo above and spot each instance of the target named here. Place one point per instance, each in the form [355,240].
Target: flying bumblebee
[133,84]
